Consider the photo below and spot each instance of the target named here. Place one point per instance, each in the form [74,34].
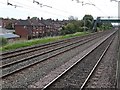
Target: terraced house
[36,28]
[7,23]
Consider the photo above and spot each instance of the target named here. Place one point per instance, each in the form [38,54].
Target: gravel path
[105,74]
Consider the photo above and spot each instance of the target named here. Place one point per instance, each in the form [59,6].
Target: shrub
[3,41]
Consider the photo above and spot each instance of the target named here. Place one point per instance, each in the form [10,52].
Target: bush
[3,41]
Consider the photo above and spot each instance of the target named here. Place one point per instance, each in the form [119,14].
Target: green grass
[20,44]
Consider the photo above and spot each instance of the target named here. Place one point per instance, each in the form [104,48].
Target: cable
[51,8]
[79,1]
[42,5]
[88,4]
[98,8]
[39,9]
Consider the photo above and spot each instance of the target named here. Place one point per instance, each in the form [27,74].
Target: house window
[33,33]
[36,27]
[33,27]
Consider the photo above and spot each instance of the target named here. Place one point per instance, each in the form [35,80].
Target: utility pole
[84,24]
[85,17]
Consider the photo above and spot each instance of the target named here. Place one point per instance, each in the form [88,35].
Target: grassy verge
[20,44]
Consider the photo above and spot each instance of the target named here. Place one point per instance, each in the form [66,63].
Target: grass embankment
[20,44]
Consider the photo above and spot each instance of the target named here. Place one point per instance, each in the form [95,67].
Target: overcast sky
[61,9]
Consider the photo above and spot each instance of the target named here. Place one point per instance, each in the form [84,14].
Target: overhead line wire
[39,9]
[57,9]
[98,8]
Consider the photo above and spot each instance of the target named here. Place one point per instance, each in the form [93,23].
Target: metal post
[118,61]
[84,25]
[118,73]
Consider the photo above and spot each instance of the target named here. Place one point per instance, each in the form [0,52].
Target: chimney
[28,17]
[41,18]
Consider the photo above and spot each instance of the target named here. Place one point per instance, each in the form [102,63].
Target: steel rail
[96,65]
[36,62]
[41,45]
[42,53]
[28,50]
[37,47]
[46,86]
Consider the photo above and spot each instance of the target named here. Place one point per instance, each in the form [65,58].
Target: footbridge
[109,19]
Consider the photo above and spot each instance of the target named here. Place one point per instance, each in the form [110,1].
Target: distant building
[3,30]
[1,22]
[23,28]
[8,35]
[36,28]
[6,22]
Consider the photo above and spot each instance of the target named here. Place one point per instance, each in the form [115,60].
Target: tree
[88,21]
[72,18]
[105,26]
[76,25]
[34,18]
[3,41]
[9,26]
[68,29]
[72,27]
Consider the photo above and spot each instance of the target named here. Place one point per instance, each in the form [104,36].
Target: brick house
[29,29]
[23,28]
[6,22]
[36,28]
[49,27]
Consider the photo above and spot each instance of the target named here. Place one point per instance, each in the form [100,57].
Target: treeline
[86,24]
[104,26]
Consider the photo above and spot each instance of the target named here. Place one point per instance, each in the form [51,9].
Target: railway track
[15,57]
[96,65]
[22,53]
[42,51]
[60,75]
[7,69]
[104,73]
[19,52]
[16,66]
[33,49]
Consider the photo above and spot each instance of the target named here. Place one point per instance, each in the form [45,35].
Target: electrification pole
[118,61]
[118,82]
